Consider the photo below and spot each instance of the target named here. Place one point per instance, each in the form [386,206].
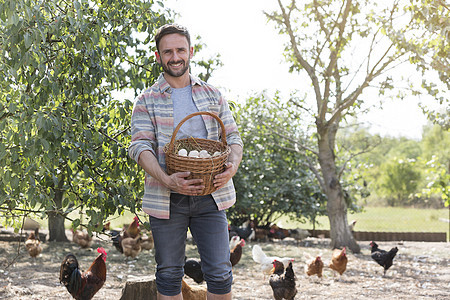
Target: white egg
[204,154]
[217,153]
[182,152]
[193,153]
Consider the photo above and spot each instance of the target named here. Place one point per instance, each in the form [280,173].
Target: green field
[390,219]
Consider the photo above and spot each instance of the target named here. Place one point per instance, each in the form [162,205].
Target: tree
[63,135]
[344,49]
[399,181]
[272,181]
[430,21]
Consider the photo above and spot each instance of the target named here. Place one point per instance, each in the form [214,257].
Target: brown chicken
[82,238]
[192,293]
[83,285]
[282,282]
[133,229]
[315,267]
[236,245]
[131,246]
[33,244]
[147,241]
[339,261]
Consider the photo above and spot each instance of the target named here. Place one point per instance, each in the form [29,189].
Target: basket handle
[224,139]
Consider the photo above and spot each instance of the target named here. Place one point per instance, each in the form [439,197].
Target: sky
[252,53]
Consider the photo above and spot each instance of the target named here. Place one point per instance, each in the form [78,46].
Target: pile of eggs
[197,154]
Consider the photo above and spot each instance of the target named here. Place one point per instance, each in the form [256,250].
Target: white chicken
[267,261]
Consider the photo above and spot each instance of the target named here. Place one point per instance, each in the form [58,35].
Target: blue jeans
[209,228]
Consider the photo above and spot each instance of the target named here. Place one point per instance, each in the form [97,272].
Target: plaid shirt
[152,126]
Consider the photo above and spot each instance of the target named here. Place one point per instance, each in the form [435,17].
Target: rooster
[133,229]
[382,257]
[236,245]
[193,269]
[33,244]
[282,282]
[314,267]
[267,261]
[83,285]
[192,293]
[339,260]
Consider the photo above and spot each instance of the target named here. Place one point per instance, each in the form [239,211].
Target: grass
[389,219]
[382,219]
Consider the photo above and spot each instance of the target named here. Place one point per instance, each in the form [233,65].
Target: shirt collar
[164,85]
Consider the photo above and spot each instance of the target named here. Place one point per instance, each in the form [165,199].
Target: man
[172,201]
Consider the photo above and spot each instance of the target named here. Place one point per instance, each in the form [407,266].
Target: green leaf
[73,155]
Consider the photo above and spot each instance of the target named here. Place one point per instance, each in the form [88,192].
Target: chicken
[192,293]
[351,226]
[82,238]
[133,229]
[314,267]
[33,244]
[276,232]
[243,232]
[299,234]
[267,261]
[83,285]
[147,241]
[236,245]
[282,282]
[259,233]
[382,257]
[193,269]
[117,237]
[339,260]
[131,246]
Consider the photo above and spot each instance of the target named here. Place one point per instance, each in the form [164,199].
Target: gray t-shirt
[183,105]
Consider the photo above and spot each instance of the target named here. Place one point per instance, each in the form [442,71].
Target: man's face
[174,54]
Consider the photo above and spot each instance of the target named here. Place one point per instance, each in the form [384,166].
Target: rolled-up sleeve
[231,129]
[142,130]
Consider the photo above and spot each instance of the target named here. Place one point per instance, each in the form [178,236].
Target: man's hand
[221,179]
[180,185]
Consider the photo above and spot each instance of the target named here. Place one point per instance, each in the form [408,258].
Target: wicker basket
[200,168]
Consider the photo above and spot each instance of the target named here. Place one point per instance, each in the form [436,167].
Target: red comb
[102,251]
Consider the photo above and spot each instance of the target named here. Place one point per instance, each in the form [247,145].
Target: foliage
[63,135]
[400,181]
[425,162]
[428,41]
[272,180]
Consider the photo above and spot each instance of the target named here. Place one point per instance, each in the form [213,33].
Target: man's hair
[169,29]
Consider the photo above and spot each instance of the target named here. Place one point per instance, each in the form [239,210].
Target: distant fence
[389,236]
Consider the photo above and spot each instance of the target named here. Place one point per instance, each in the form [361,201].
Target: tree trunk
[56,229]
[341,235]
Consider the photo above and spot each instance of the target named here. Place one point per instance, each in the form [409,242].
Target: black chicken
[382,257]
[282,282]
[243,232]
[193,269]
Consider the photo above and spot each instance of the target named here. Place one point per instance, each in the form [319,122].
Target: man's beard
[177,73]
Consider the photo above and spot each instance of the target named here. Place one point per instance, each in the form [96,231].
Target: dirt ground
[420,271]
